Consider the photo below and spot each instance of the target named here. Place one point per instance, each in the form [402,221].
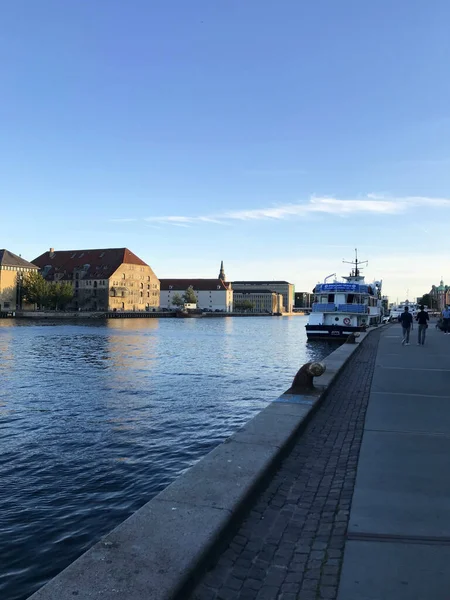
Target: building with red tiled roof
[104,278]
[212,294]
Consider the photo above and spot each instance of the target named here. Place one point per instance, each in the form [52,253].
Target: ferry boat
[343,307]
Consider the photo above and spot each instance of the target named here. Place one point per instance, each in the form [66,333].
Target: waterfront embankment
[161,550]
[80,315]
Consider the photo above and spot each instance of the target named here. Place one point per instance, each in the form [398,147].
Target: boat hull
[335,332]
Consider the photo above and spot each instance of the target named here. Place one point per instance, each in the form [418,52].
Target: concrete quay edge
[162,549]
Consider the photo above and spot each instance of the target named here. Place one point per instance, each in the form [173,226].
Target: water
[96,418]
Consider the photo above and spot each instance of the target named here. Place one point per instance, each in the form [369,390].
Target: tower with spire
[222,275]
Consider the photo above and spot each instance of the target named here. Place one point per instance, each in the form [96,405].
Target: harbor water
[98,417]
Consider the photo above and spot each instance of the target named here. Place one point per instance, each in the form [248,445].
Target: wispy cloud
[375,204]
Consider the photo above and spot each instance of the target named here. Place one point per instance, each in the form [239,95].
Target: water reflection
[97,418]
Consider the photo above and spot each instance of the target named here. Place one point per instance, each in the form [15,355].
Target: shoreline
[55,315]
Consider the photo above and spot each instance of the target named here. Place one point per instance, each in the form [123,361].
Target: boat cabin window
[351,298]
[330,297]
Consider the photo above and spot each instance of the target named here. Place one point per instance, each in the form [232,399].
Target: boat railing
[353,308]
[324,307]
[348,308]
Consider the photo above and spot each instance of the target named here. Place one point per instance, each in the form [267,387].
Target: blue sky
[275,135]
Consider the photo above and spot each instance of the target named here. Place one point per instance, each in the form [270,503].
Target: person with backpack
[422,318]
[406,320]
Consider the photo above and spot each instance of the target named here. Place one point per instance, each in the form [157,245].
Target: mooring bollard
[304,380]
[352,337]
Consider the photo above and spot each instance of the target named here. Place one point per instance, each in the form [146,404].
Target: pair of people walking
[406,319]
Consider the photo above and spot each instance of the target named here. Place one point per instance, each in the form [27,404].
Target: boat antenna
[325,280]
[356,263]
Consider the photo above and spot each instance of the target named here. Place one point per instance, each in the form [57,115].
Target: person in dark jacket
[422,318]
[406,320]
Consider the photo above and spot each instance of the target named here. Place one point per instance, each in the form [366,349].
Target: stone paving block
[402,490]
[403,412]
[409,381]
[395,571]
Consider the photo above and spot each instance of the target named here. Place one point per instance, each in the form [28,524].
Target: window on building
[123,276]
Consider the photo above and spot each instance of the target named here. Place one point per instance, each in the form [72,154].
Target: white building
[212,294]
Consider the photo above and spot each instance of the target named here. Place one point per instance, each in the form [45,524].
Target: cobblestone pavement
[291,545]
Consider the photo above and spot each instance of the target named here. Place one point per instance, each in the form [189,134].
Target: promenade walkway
[398,545]
[291,544]
[315,534]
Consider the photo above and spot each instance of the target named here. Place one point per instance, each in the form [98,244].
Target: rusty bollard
[303,381]
[352,337]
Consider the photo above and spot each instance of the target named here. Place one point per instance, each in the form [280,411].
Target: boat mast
[355,272]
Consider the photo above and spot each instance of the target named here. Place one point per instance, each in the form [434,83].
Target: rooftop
[99,263]
[198,284]
[9,259]
[261,283]
[255,291]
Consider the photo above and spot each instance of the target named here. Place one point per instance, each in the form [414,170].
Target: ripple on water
[96,419]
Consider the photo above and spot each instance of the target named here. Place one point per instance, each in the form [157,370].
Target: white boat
[343,307]
[398,309]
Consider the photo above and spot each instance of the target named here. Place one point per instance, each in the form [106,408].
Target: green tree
[177,300]
[189,296]
[60,294]
[427,300]
[35,289]
[245,305]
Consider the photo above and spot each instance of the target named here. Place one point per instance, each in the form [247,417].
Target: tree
[426,300]
[61,293]
[35,289]
[177,300]
[189,296]
[245,305]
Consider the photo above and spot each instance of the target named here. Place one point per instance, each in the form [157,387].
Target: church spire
[222,275]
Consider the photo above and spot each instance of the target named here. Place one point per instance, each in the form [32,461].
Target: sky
[275,135]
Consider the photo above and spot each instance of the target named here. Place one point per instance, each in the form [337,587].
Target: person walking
[406,320]
[446,320]
[422,318]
